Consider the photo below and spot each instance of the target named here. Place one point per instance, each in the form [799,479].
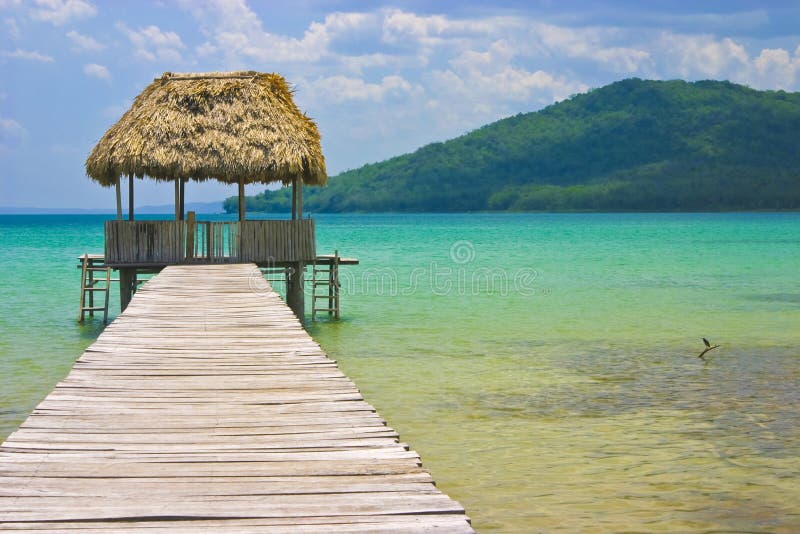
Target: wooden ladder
[92,268]
[325,285]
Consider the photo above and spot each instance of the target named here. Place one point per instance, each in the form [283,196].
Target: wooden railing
[174,242]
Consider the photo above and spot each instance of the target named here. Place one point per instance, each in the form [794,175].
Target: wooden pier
[205,406]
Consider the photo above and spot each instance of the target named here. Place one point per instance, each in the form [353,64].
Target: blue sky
[380,78]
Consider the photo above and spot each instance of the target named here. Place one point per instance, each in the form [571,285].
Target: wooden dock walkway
[205,406]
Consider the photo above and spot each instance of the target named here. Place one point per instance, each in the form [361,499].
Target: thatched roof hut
[235,127]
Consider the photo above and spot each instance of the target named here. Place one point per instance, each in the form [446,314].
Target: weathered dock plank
[206,407]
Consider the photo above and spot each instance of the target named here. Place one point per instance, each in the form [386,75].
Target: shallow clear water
[545,366]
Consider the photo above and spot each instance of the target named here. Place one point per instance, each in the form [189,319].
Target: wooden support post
[300,199]
[294,198]
[119,200]
[190,233]
[84,265]
[242,205]
[182,199]
[177,200]
[127,279]
[331,281]
[295,297]
[91,292]
[130,197]
[335,283]
[107,291]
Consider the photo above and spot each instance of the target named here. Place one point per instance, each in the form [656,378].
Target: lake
[544,365]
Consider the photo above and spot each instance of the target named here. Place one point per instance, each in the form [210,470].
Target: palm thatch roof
[228,126]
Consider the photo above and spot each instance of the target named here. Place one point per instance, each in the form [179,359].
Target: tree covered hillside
[631,145]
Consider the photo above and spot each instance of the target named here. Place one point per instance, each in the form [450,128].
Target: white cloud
[433,38]
[97,71]
[481,86]
[524,36]
[771,58]
[498,53]
[623,60]
[84,42]
[59,12]
[357,64]
[236,32]
[776,68]
[400,26]
[600,45]
[206,49]
[337,89]
[692,56]
[502,84]
[153,44]
[30,55]
[229,15]
[492,75]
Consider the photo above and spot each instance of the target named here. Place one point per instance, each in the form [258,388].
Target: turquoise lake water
[544,365]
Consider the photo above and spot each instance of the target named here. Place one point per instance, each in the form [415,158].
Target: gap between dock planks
[205,406]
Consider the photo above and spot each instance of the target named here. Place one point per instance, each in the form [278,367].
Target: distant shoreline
[200,207]
[158,210]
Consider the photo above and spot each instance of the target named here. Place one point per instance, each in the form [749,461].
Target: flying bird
[709,347]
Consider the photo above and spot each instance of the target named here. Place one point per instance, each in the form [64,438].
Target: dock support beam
[295,297]
[130,197]
[182,208]
[177,200]
[119,200]
[127,281]
[294,198]
[242,204]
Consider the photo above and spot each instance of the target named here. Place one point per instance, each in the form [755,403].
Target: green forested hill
[631,145]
